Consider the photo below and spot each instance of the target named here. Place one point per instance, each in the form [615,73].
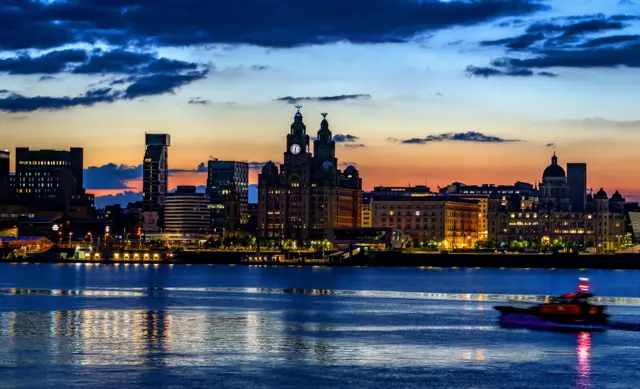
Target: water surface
[105,326]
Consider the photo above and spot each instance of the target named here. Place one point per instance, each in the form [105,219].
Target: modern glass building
[155,171]
[228,191]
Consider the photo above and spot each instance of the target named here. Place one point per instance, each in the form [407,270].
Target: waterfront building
[49,181]
[5,186]
[308,193]
[602,224]
[524,193]
[228,191]
[5,163]
[155,171]
[450,221]
[187,212]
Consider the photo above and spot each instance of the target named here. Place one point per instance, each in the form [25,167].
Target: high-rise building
[5,191]
[577,180]
[187,212]
[5,162]
[309,193]
[155,171]
[228,191]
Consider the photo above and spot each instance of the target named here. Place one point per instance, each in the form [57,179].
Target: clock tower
[296,178]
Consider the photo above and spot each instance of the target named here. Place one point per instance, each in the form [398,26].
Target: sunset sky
[424,92]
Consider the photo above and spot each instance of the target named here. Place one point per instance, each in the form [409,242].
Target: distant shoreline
[397,259]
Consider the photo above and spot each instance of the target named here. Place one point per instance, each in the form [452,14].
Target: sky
[417,91]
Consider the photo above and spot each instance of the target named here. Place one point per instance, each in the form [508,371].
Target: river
[172,326]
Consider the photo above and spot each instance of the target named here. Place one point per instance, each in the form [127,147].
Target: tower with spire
[309,193]
[324,147]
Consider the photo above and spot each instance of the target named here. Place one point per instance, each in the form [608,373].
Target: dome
[327,165]
[617,197]
[554,170]
[351,170]
[270,168]
[601,195]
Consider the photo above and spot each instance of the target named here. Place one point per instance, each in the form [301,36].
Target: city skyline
[479,92]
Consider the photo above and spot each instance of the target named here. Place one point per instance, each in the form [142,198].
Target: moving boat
[569,312]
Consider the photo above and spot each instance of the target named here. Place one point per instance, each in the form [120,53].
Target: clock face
[295,149]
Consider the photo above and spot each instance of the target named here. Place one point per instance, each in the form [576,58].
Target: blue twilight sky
[478,91]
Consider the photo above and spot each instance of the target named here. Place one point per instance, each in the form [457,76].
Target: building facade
[228,190]
[601,225]
[187,212]
[155,171]
[5,186]
[309,193]
[50,181]
[453,222]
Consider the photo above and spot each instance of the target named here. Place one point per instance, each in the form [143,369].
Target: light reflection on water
[142,292]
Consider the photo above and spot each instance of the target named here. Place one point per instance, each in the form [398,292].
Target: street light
[70,235]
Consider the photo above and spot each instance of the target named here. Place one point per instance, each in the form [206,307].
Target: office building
[187,212]
[51,181]
[5,163]
[452,222]
[5,181]
[228,191]
[48,174]
[155,171]
[577,180]
[308,193]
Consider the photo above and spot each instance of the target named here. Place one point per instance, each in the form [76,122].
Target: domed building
[554,189]
[564,214]
[309,193]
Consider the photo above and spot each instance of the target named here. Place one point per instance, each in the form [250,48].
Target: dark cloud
[339,138]
[161,83]
[115,61]
[517,43]
[550,145]
[565,42]
[18,103]
[259,67]
[110,176]
[145,74]
[199,101]
[354,145]
[123,199]
[295,100]
[50,63]
[47,78]
[470,136]
[486,72]
[287,23]
[611,40]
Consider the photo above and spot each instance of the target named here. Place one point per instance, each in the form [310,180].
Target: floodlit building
[309,193]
